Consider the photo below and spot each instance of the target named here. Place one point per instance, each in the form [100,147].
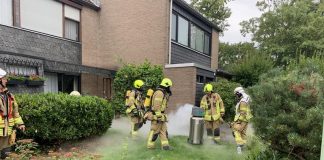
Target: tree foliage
[288,106]
[214,10]
[230,53]
[288,28]
[125,77]
[248,69]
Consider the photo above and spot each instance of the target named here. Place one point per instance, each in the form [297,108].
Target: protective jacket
[213,106]
[159,105]
[242,109]
[9,115]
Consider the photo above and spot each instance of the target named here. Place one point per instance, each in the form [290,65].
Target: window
[200,79]
[174,27]
[71,29]
[68,83]
[207,44]
[197,38]
[209,79]
[183,28]
[6,13]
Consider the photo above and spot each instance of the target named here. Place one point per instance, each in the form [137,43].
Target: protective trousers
[158,129]
[239,130]
[213,130]
[136,124]
[4,147]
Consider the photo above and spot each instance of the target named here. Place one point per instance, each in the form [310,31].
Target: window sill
[184,46]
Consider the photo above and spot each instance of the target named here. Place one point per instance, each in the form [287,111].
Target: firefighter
[214,111]
[134,106]
[242,117]
[158,116]
[9,117]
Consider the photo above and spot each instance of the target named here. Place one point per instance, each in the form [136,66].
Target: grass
[125,148]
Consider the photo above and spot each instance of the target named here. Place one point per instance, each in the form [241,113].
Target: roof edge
[193,11]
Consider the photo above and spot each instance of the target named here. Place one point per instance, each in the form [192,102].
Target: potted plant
[35,80]
[14,79]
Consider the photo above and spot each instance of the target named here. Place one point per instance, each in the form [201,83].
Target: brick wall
[128,30]
[92,84]
[184,86]
[215,48]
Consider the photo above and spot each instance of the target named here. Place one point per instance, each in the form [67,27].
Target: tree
[288,28]
[214,10]
[125,77]
[288,108]
[248,69]
[230,53]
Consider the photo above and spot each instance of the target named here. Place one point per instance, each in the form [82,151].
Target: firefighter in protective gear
[9,117]
[134,106]
[158,116]
[242,117]
[213,105]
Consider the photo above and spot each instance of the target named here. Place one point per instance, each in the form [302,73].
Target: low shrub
[60,117]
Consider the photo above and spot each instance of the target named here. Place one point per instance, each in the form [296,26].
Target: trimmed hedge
[55,118]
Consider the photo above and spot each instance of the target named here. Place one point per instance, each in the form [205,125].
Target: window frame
[176,27]
[189,34]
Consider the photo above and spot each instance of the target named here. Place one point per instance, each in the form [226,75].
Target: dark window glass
[200,79]
[174,27]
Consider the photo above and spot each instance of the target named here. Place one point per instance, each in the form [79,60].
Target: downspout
[170,30]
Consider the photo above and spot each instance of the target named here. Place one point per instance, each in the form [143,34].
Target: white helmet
[75,93]
[239,90]
[2,73]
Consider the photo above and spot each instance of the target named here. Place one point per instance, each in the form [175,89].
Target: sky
[241,10]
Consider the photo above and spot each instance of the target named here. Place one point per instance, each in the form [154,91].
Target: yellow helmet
[166,82]
[138,84]
[208,88]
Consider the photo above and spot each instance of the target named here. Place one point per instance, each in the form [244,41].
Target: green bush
[125,77]
[225,89]
[60,117]
[288,108]
[248,69]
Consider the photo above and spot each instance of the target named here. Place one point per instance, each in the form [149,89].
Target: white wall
[6,15]
[42,15]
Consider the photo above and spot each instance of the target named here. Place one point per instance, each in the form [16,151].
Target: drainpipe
[170,30]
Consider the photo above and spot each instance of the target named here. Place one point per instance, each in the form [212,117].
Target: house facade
[44,38]
[79,44]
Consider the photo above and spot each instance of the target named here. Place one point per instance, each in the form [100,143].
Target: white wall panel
[6,15]
[42,15]
[72,13]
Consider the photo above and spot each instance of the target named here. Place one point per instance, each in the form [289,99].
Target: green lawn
[121,147]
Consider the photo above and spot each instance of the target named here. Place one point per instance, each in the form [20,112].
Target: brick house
[79,44]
